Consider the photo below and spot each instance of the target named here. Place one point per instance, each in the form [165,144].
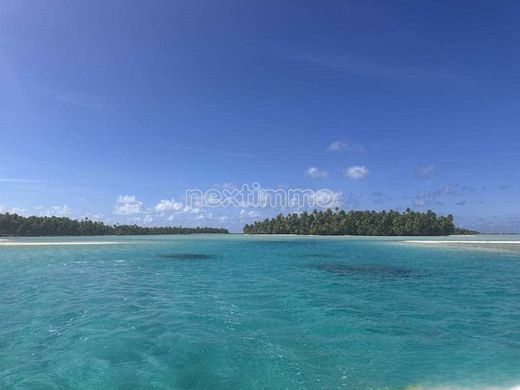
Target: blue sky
[107,108]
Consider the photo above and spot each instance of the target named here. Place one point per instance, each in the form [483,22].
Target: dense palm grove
[366,223]
[16,225]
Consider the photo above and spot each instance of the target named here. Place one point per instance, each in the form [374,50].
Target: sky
[112,110]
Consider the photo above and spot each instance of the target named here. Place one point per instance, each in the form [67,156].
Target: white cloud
[84,101]
[61,210]
[128,205]
[316,173]
[189,214]
[253,214]
[248,214]
[94,217]
[40,211]
[327,199]
[148,219]
[11,210]
[226,186]
[10,180]
[168,205]
[356,172]
[341,145]
[54,211]
[191,210]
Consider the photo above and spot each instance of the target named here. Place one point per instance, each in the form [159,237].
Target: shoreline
[6,242]
[493,242]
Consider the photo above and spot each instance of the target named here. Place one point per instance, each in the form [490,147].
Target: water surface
[231,311]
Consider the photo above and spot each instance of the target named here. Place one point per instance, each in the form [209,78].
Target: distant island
[17,225]
[359,223]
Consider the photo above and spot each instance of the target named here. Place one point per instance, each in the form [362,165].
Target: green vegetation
[363,223]
[464,232]
[16,225]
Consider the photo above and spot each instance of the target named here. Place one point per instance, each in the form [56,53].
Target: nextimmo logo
[256,196]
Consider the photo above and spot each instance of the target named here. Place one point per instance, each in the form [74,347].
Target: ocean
[259,312]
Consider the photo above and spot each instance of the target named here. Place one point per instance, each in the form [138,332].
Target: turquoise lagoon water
[239,312]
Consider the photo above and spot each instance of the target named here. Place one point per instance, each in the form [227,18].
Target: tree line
[17,225]
[362,223]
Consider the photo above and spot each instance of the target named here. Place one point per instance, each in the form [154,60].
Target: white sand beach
[6,242]
[494,242]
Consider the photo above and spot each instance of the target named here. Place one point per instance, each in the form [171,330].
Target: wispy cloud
[249,214]
[11,210]
[356,172]
[336,201]
[128,205]
[226,185]
[364,67]
[54,211]
[424,172]
[11,180]
[316,173]
[433,198]
[342,145]
[168,205]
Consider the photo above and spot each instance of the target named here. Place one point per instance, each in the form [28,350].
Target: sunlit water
[238,312]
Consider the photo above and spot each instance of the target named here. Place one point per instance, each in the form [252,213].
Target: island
[17,225]
[359,223]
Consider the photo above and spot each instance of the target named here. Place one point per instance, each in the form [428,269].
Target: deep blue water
[238,312]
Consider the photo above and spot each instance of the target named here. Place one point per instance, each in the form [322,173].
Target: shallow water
[226,312]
